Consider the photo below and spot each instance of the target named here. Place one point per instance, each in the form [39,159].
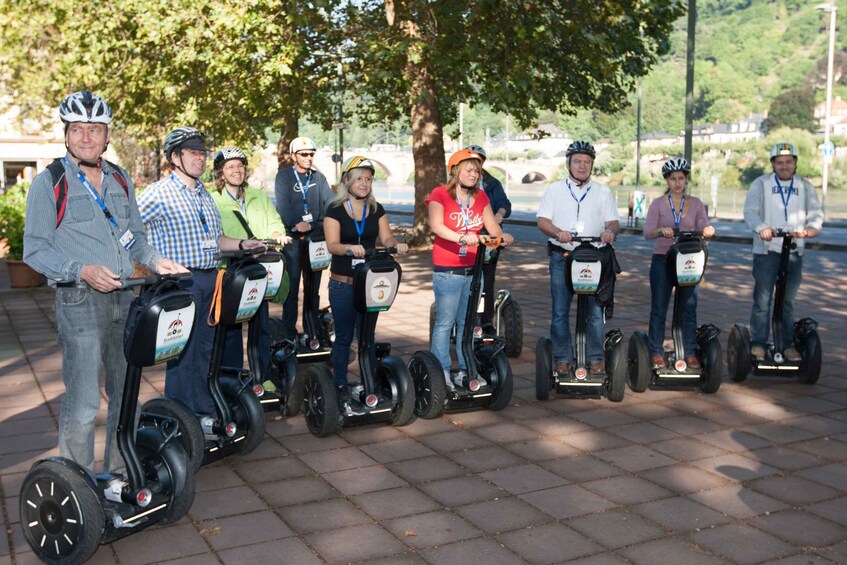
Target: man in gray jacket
[785,200]
[83,232]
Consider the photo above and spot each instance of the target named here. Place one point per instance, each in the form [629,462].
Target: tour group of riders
[101,232]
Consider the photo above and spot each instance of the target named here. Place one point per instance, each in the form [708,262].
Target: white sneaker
[207,422]
[459,378]
[447,382]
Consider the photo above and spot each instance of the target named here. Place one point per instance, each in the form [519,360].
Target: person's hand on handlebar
[766,234]
[607,236]
[809,232]
[356,250]
[564,236]
[469,238]
[165,266]
[708,231]
[664,232]
[303,227]
[507,238]
[402,248]
[280,239]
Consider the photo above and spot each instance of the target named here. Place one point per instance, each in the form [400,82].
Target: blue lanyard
[784,196]
[304,188]
[85,182]
[577,200]
[466,212]
[677,218]
[199,205]
[241,203]
[360,224]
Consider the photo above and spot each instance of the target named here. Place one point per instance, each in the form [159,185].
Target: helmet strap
[365,197]
[467,187]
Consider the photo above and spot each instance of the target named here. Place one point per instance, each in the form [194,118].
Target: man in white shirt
[579,206]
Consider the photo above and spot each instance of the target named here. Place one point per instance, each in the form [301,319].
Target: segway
[386,393]
[277,387]
[488,381]
[65,513]
[314,344]
[583,269]
[739,359]
[685,264]
[238,424]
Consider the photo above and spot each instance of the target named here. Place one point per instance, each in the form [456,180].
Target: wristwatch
[241,244]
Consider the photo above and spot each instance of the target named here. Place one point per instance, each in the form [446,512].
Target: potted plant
[12,213]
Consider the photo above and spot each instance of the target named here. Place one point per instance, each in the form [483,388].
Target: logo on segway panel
[319,257]
[585,277]
[172,334]
[689,268]
[251,298]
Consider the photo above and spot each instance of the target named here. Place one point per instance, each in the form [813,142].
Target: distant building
[748,129]
[837,116]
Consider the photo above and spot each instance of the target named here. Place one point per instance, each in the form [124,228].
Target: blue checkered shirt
[173,215]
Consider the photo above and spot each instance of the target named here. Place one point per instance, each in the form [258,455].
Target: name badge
[210,245]
[579,227]
[463,251]
[356,261]
[127,239]
[307,217]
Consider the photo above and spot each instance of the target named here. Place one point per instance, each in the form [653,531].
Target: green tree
[420,59]
[793,109]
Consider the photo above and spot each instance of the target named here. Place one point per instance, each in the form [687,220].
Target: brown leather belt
[340,278]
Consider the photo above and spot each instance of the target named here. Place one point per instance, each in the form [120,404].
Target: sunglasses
[304,154]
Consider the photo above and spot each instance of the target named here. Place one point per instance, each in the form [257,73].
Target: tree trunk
[425,115]
[288,131]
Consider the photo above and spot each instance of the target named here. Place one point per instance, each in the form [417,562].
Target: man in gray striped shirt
[84,239]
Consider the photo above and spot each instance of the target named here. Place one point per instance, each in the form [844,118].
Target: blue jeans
[560,330]
[347,324]
[91,329]
[451,304]
[289,307]
[765,268]
[233,354]
[660,295]
[186,378]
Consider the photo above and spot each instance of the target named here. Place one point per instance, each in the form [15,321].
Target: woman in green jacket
[236,202]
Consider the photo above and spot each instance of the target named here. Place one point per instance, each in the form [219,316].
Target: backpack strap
[60,185]
[60,188]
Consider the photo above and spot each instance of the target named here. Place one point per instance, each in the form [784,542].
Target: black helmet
[84,106]
[183,138]
[674,165]
[225,154]
[581,147]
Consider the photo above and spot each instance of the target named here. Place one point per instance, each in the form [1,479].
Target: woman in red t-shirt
[457,212]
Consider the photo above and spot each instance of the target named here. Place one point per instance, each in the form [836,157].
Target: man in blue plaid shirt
[181,217]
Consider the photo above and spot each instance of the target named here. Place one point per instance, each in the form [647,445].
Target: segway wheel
[430,388]
[395,381]
[291,386]
[511,327]
[543,368]
[712,376]
[616,368]
[431,322]
[320,401]
[501,374]
[60,514]
[166,471]
[190,433]
[638,366]
[247,413]
[810,348]
[738,358]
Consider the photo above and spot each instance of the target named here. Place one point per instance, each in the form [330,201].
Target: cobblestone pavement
[755,473]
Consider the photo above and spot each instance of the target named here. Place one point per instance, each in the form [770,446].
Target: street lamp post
[831,8]
[338,157]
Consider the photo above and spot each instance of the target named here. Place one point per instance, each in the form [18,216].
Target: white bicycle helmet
[301,144]
[84,106]
[676,164]
[783,148]
[479,150]
[225,154]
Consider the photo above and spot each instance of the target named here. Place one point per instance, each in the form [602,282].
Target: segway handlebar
[684,233]
[153,278]
[240,254]
[576,238]
[491,242]
[781,232]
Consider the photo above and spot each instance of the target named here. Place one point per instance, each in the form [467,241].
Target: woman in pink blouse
[673,211]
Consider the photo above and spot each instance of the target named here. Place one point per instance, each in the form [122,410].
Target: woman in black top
[354,221]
